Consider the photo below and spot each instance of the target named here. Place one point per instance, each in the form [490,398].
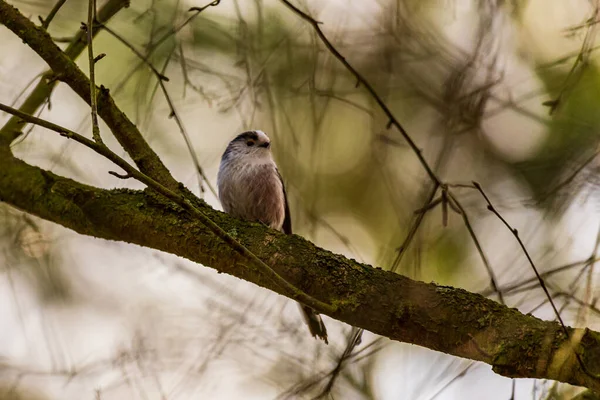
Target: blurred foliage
[443,67]
[11,393]
[29,253]
[573,137]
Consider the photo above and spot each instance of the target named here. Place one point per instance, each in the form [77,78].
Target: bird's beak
[265,145]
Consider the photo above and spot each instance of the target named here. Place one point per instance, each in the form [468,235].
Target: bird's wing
[287,221]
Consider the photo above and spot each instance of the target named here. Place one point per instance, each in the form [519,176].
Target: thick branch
[441,318]
[178,199]
[67,71]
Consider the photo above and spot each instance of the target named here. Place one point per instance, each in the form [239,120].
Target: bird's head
[250,146]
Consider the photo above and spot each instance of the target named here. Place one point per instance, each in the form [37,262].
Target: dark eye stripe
[250,135]
[250,143]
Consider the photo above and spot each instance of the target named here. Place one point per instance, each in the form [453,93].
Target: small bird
[251,188]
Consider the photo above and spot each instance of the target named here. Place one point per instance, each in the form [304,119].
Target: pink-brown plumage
[251,188]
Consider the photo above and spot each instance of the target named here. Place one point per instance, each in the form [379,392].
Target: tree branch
[40,94]
[67,71]
[179,199]
[89,29]
[52,14]
[441,318]
[161,79]
[392,120]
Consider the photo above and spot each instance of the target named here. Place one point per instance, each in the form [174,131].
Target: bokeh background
[505,93]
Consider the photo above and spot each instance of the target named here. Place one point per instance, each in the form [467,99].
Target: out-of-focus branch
[89,29]
[161,79]
[52,13]
[100,148]
[392,120]
[40,94]
[67,71]
[441,318]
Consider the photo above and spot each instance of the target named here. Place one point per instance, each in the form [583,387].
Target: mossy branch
[441,318]
[41,93]
[68,72]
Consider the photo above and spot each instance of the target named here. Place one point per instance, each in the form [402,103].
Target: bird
[250,187]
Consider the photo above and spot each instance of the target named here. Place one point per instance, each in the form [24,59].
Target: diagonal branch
[161,79]
[67,71]
[89,29]
[441,318]
[393,121]
[52,14]
[40,94]
[100,148]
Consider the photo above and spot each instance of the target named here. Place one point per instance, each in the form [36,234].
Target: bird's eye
[250,143]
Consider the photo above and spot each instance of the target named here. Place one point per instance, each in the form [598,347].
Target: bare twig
[461,374]
[581,62]
[565,182]
[362,81]
[180,200]
[196,11]
[488,267]
[123,129]
[40,94]
[52,14]
[143,58]
[173,112]
[413,231]
[200,9]
[514,287]
[93,99]
[120,176]
[515,233]
[354,339]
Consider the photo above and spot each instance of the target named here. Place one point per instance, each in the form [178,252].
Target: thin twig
[354,339]
[120,176]
[565,182]
[42,91]
[172,31]
[161,79]
[102,149]
[461,374]
[93,100]
[488,267]
[515,233]
[52,14]
[362,81]
[413,230]
[514,287]
[135,51]
[200,9]
[582,59]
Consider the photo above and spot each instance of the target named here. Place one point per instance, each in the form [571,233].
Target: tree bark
[441,318]
[67,71]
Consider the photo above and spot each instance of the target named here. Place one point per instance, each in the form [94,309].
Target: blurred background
[505,93]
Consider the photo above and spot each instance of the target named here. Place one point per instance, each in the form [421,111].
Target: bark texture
[65,70]
[441,318]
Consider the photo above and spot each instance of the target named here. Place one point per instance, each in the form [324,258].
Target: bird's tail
[314,322]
